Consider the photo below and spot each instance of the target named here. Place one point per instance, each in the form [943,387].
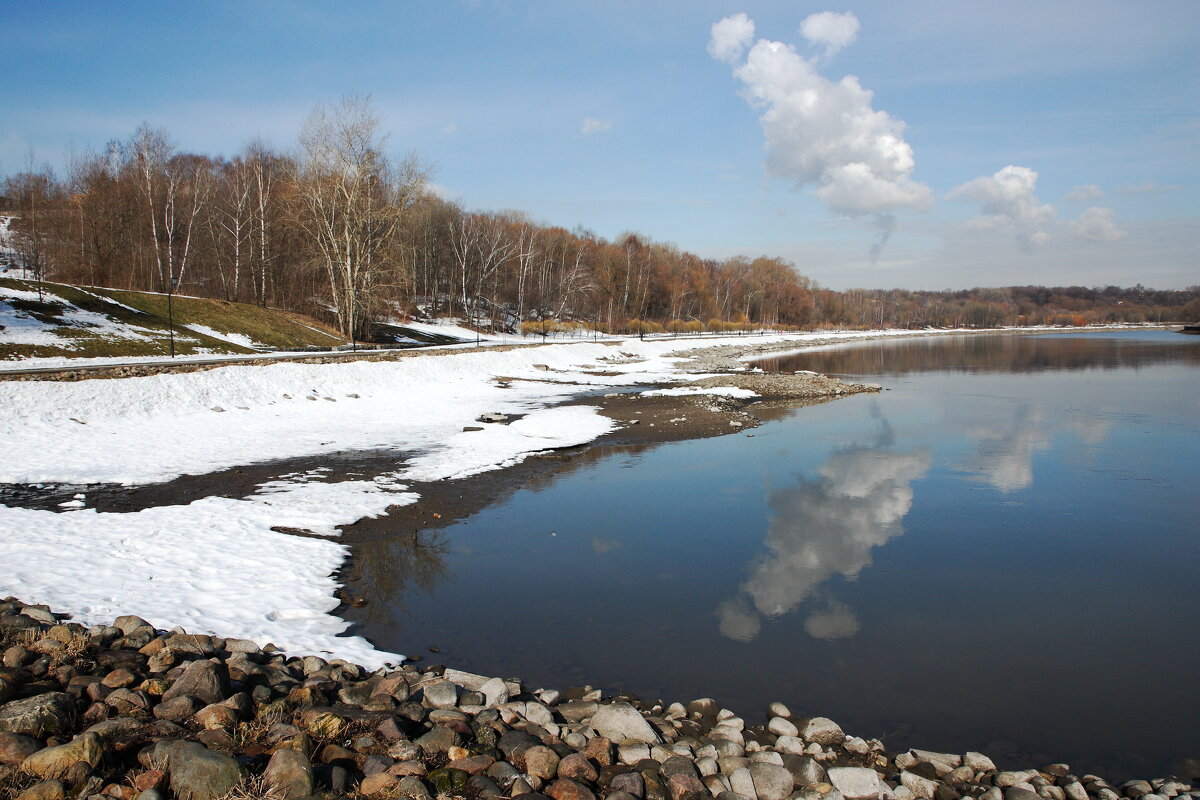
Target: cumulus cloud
[831,30]
[590,126]
[1006,448]
[822,528]
[1096,225]
[730,38]
[822,133]
[1086,192]
[1008,201]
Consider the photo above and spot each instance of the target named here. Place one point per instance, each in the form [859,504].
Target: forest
[340,229]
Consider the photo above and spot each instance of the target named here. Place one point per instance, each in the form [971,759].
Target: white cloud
[1008,201]
[449,128]
[1096,225]
[730,38]
[591,126]
[830,29]
[1086,192]
[820,132]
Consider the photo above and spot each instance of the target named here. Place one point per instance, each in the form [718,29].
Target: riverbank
[126,710]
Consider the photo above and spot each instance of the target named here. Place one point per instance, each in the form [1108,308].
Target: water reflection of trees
[824,527]
[987,353]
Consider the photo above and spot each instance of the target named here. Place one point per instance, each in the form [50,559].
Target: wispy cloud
[1146,187]
[1086,192]
[591,126]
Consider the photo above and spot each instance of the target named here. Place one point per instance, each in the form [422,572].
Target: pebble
[159,712]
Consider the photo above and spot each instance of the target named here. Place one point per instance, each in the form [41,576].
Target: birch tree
[352,199]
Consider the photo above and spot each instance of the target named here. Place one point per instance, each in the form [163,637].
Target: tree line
[341,229]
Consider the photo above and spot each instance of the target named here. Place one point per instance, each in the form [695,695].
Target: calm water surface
[998,553]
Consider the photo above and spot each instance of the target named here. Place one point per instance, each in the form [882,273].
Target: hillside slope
[81,322]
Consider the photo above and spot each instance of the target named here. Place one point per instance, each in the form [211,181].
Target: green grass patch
[143,322]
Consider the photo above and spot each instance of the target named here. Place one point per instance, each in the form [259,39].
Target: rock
[45,790]
[378,783]
[15,748]
[1017,793]
[1075,791]
[920,787]
[290,774]
[195,772]
[1012,778]
[742,782]
[206,681]
[576,767]
[681,786]
[322,724]
[495,692]
[129,623]
[978,762]
[449,781]
[38,716]
[822,731]
[541,762]
[567,789]
[441,694]
[790,744]
[621,722]
[600,750]
[779,710]
[782,727]
[216,717]
[771,781]
[855,783]
[54,762]
[629,782]
[177,709]
[413,787]
[439,740]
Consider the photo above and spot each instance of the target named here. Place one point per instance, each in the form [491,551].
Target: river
[996,553]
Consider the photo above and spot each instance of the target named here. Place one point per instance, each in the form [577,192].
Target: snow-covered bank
[217,564]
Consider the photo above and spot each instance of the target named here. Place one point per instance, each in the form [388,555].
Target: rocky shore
[126,711]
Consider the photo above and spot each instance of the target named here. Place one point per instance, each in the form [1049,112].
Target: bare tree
[351,201]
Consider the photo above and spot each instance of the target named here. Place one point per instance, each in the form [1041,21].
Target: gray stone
[978,762]
[129,623]
[621,722]
[632,753]
[204,680]
[441,694]
[413,787]
[778,709]
[790,744]
[806,771]
[949,760]
[495,692]
[766,757]
[39,715]
[1012,778]
[541,762]
[438,740]
[1017,793]
[629,782]
[782,727]
[290,773]
[771,781]
[742,782]
[921,787]
[822,731]
[1075,791]
[855,783]
[197,773]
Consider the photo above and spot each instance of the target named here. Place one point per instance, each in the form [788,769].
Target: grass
[147,318]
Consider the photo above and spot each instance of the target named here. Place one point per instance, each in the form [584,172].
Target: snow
[23,328]
[240,339]
[688,391]
[217,564]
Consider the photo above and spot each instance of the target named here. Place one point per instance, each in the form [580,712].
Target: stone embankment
[127,711]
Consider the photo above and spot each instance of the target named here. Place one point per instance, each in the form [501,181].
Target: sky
[923,145]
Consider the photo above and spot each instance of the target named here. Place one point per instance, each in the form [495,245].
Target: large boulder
[197,773]
[39,715]
[53,762]
[290,774]
[621,722]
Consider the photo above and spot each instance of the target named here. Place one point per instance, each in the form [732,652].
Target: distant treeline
[340,230]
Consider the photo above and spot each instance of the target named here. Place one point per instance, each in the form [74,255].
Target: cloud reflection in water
[824,527]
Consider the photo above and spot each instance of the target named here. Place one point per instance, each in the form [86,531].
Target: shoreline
[127,710]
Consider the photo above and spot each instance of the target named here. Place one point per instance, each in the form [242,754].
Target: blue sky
[642,116]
